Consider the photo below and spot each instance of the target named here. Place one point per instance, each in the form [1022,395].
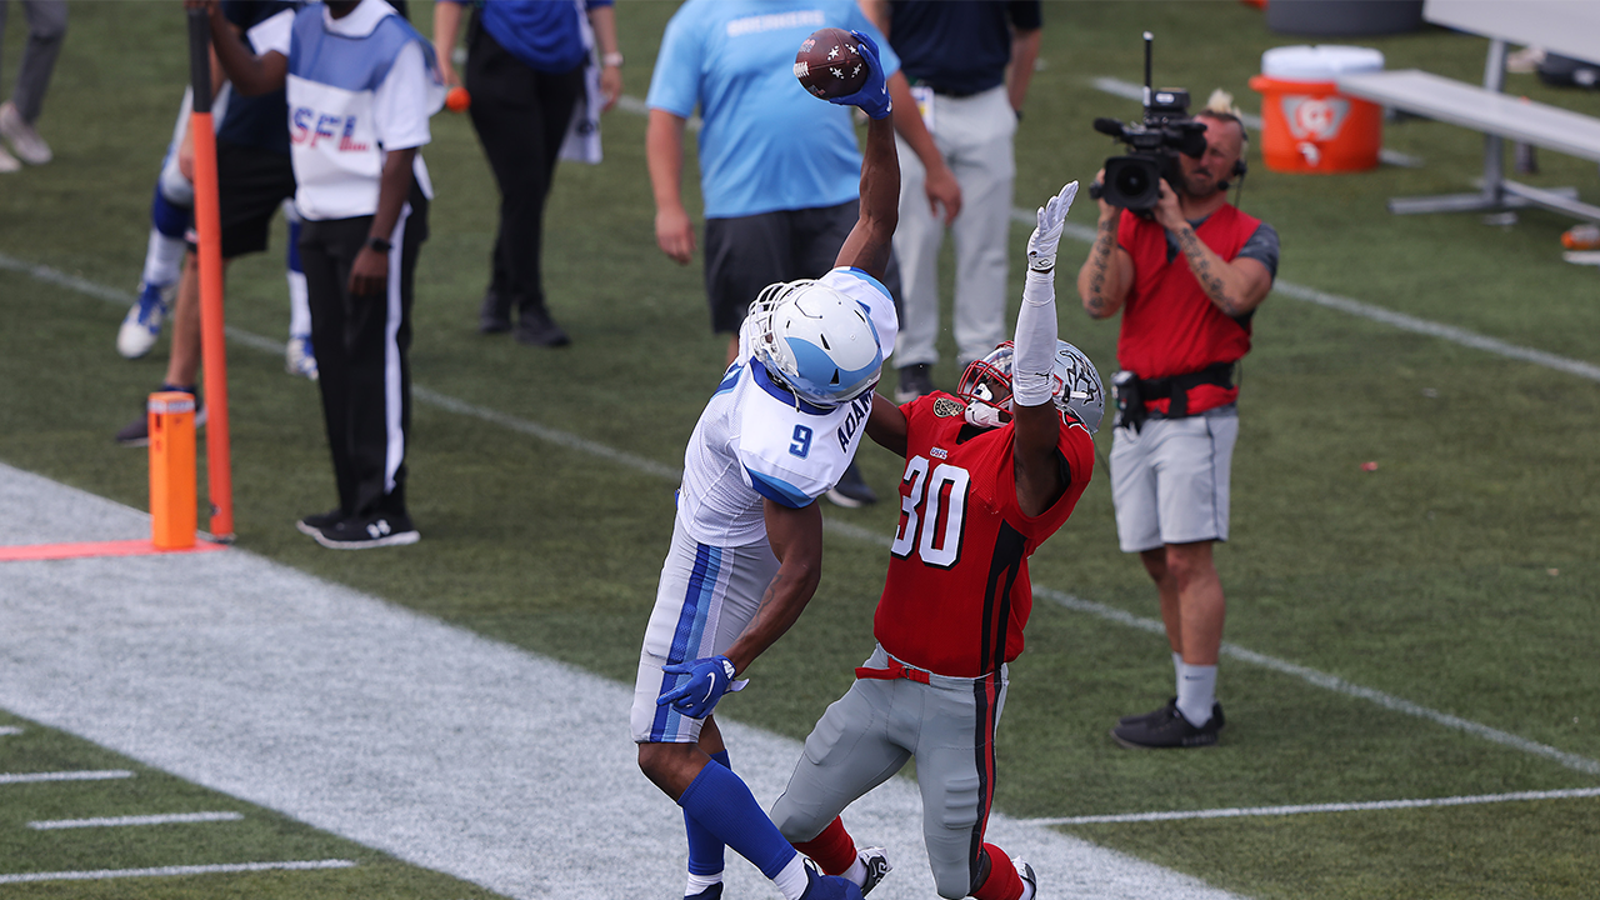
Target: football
[829,64]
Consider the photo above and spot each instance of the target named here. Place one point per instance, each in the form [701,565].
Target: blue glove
[873,98]
[708,680]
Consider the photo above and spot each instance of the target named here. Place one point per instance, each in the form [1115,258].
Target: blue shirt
[545,34]
[765,144]
[958,46]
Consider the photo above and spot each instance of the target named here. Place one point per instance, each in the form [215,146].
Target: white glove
[1047,234]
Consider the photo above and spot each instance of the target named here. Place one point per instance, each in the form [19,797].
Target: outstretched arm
[1037,420]
[870,242]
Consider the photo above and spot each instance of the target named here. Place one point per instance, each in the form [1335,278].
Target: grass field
[1458,579]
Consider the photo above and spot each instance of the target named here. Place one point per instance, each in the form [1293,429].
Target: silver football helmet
[817,341]
[1075,386]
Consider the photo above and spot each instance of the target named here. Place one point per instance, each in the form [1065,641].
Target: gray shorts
[870,733]
[1169,481]
[747,253]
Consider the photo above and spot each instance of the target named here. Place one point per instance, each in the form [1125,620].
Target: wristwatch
[613,58]
[379,244]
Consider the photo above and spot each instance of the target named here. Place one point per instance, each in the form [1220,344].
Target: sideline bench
[1568,27]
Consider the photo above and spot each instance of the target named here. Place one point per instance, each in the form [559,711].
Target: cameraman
[1187,276]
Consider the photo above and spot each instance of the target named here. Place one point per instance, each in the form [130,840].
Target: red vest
[957,595]
[1169,325]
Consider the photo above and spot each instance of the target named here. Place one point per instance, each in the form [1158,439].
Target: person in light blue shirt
[779,171]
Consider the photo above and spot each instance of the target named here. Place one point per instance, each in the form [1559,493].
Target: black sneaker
[916,380]
[1164,711]
[877,865]
[363,532]
[713,892]
[535,328]
[494,317]
[137,432]
[852,492]
[314,524]
[1172,730]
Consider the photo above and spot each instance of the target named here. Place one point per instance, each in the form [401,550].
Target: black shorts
[747,253]
[251,185]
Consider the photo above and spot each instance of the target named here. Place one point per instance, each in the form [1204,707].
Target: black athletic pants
[362,346]
[521,115]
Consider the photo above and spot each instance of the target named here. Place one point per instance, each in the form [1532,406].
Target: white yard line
[45,777]
[134,821]
[9,730]
[1372,806]
[171,871]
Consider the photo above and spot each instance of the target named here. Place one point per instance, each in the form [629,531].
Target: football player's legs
[955,773]
[848,753]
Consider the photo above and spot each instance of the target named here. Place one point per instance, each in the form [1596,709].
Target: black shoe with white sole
[364,532]
[314,524]
[1171,730]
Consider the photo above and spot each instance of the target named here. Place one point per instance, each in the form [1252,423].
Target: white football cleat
[142,325]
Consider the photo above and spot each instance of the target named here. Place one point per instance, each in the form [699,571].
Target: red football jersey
[958,595]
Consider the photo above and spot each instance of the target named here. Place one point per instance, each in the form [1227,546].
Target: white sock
[299,305]
[698,883]
[792,881]
[163,259]
[1177,672]
[1197,691]
[857,871]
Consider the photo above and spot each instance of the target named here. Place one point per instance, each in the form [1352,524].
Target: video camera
[1133,182]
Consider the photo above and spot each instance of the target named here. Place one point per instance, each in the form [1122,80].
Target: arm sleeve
[1033,361]
[1263,248]
[404,101]
[273,35]
[675,83]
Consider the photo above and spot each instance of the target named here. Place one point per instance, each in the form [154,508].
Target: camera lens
[1133,181]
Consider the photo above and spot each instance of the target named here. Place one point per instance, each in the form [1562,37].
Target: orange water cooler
[1307,125]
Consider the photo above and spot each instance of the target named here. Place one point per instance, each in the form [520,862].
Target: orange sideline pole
[208,225]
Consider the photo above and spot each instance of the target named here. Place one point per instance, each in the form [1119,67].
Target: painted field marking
[1301,809]
[170,871]
[672,473]
[84,550]
[41,777]
[9,730]
[124,821]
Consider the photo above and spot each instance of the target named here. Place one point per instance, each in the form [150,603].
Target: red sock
[833,850]
[1003,882]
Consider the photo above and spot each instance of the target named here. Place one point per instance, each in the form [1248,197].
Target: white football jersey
[755,439]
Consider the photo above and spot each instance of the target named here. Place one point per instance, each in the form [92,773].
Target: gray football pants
[47,25]
[947,725]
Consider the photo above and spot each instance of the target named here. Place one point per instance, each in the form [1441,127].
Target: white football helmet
[820,343]
[1075,387]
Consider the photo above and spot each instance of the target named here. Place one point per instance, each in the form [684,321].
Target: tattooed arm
[1107,275]
[1235,288]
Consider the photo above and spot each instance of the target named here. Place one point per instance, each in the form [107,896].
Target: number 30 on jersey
[931,512]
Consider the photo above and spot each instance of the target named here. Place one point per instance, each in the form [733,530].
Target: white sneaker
[877,866]
[25,142]
[299,358]
[1030,881]
[8,163]
[142,325]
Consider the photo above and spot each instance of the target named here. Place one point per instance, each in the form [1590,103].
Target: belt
[896,669]
[951,92]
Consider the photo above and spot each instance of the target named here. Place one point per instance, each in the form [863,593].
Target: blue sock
[705,849]
[725,808]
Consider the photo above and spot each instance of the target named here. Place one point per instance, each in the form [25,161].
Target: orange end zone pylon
[208,225]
